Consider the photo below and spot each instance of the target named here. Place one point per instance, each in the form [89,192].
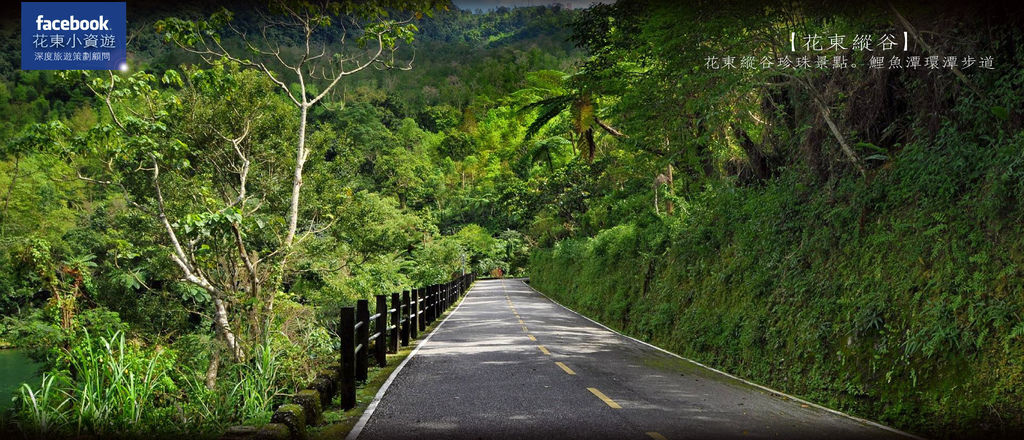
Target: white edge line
[770,390]
[358,428]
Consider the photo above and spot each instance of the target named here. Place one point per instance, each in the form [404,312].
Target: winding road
[509,363]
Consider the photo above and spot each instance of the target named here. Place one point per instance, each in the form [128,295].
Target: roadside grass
[340,422]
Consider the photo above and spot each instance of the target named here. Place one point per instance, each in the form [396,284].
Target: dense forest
[726,180]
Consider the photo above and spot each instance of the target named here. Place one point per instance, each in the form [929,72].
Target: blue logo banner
[73,36]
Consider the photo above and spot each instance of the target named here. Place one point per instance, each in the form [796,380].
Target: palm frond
[560,100]
[547,112]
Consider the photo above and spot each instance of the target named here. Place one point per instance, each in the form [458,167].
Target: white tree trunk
[300,160]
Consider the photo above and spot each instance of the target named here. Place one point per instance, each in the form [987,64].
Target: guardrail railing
[393,325]
[410,313]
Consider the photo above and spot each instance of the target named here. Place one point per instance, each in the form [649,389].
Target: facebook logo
[73,36]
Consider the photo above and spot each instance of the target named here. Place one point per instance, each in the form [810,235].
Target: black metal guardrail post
[347,372]
[362,339]
[408,318]
[428,291]
[379,344]
[414,314]
[433,302]
[420,306]
[396,322]
[440,301]
[422,320]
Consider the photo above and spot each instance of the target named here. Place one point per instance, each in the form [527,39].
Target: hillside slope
[897,298]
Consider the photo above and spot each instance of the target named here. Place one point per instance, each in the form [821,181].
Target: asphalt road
[511,364]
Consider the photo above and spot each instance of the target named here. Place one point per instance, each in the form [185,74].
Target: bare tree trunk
[827,116]
[300,159]
[656,200]
[850,154]
[669,204]
[211,371]
[220,317]
[660,180]
[194,276]
[591,146]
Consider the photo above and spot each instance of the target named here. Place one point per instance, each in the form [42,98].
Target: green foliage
[118,386]
[710,211]
[256,387]
[456,145]
[111,389]
[873,298]
[407,184]
[39,331]
[438,118]
[44,411]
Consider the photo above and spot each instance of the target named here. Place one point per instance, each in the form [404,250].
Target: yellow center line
[566,368]
[525,330]
[544,349]
[604,398]
[531,337]
[521,321]
[656,436]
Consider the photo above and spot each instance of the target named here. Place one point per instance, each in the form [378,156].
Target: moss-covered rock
[326,385]
[273,431]
[310,402]
[294,417]
[239,433]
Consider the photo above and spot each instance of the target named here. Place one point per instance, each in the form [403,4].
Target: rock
[273,431]
[311,404]
[326,385]
[294,417]
[239,433]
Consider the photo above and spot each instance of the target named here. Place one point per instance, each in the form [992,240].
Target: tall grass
[257,385]
[112,389]
[43,410]
[116,384]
